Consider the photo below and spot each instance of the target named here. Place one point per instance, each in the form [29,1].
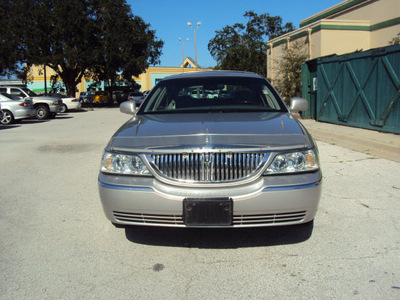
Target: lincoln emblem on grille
[207,167]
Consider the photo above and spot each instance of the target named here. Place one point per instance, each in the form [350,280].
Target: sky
[169,20]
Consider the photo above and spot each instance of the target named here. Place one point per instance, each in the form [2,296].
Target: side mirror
[128,107]
[298,104]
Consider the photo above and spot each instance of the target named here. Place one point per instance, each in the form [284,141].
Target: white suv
[45,107]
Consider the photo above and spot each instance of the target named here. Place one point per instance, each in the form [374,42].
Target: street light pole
[183,52]
[195,48]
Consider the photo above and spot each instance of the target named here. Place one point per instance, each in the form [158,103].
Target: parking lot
[55,242]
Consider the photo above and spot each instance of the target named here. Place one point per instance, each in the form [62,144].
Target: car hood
[210,131]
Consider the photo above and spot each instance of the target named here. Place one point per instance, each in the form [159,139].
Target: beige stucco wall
[344,28]
[343,41]
[382,37]
[375,11]
[145,78]
[316,42]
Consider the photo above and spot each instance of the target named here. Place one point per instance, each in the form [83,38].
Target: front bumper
[55,108]
[268,201]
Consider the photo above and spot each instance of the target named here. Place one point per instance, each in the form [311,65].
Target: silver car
[241,160]
[15,109]
[138,97]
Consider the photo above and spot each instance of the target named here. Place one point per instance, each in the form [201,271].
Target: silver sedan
[241,160]
[15,109]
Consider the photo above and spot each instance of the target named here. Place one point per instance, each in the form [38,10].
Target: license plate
[208,212]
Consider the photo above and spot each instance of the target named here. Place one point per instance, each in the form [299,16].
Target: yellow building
[349,26]
[147,80]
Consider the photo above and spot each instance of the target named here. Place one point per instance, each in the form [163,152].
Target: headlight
[294,162]
[115,163]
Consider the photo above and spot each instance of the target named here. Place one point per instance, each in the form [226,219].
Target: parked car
[183,161]
[138,97]
[85,98]
[100,97]
[123,95]
[1,113]
[197,92]
[116,95]
[14,109]
[68,102]
[46,107]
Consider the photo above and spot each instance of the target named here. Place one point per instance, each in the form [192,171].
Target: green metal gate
[359,89]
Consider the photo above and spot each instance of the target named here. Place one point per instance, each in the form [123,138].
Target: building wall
[349,26]
[382,37]
[340,37]
[375,11]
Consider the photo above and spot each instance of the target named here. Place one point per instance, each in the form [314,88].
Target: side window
[3,90]
[17,92]
[269,98]
[158,101]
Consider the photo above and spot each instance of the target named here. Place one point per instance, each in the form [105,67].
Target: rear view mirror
[128,107]
[298,104]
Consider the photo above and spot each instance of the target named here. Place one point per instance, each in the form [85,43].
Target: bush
[288,83]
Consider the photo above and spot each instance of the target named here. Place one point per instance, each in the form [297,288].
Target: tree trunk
[70,77]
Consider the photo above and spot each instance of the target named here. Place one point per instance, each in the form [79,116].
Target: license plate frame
[208,211]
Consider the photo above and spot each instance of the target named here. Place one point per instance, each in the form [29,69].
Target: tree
[243,47]
[100,39]
[11,48]
[128,45]
[395,40]
[289,68]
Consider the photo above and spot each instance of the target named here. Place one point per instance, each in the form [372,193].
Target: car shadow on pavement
[33,121]
[219,238]
[3,127]
[62,117]
[74,111]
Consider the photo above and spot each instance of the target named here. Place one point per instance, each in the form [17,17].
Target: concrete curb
[384,145]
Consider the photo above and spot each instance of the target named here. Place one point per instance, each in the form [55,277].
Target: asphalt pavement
[56,243]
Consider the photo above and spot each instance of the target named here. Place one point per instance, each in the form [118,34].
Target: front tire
[8,117]
[42,112]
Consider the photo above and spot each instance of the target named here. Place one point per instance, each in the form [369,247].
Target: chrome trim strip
[292,187]
[130,188]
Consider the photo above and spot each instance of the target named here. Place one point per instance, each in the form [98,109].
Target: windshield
[29,92]
[212,94]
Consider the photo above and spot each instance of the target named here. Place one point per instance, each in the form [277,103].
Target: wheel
[8,117]
[63,109]
[42,112]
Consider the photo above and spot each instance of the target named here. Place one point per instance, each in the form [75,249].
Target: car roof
[214,74]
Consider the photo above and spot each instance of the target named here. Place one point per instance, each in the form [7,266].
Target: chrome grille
[269,218]
[208,167]
[148,218]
